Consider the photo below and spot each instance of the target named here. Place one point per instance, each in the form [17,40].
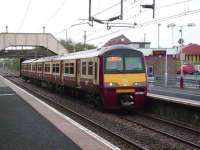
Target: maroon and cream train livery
[115,74]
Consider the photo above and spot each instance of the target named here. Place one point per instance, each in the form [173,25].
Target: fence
[190,81]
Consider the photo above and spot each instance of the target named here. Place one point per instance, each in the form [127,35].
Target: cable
[106,9]
[150,22]
[55,12]
[163,6]
[25,14]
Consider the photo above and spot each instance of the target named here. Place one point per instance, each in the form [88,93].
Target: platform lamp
[171,25]
[181,41]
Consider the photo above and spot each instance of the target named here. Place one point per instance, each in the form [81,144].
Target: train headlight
[110,84]
[139,84]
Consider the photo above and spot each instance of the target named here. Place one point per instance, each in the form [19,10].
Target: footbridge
[45,40]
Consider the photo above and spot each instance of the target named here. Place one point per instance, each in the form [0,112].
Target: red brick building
[191,54]
[124,40]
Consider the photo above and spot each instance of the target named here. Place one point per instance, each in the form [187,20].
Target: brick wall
[158,64]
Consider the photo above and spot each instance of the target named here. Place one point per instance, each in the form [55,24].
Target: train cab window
[47,68]
[55,68]
[124,64]
[90,68]
[114,63]
[83,68]
[133,63]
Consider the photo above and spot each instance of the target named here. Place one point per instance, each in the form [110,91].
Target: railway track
[131,119]
[115,135]
[180,125]
[178,138]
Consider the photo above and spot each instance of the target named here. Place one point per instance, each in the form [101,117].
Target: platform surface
[184,96]
[27,124]
[22,127]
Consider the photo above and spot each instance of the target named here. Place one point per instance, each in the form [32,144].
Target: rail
[59,105]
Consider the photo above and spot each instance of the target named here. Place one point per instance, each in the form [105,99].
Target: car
[187,69]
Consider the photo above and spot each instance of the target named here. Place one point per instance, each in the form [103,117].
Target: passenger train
[115,75]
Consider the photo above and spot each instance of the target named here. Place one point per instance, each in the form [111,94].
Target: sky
[59,15]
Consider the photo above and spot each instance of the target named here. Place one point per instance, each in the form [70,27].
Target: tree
[75,47]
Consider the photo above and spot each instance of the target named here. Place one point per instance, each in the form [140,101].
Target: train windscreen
[123,64]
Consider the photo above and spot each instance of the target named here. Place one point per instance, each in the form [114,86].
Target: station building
[191,54]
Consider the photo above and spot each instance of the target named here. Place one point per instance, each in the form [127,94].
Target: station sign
[159,53]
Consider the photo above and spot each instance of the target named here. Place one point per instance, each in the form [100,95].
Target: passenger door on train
[78,72]
[96,71]
[61,72]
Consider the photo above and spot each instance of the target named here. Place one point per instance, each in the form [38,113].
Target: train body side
[116,88]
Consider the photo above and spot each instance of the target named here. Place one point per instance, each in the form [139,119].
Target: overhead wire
[150,23]
[25,14]
[54,14]
[106,9]
[102,11]
[164,6]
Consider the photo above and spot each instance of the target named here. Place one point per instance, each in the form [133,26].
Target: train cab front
[124,79]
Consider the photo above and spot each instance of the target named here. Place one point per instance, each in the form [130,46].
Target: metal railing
[190,81]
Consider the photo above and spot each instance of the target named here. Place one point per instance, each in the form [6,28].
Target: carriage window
[95,71]
[47,67]
[25,66]
[90,68]
[71,68]
[83,68]
[56,68]
[66,68]
[33,67]
[39,67]
[29,67]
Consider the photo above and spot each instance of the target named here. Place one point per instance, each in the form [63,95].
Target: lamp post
[159,35]
[180,41]
[74,25]
[6,29]
[172,25]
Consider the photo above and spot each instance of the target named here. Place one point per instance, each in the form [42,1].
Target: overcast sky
[57,15]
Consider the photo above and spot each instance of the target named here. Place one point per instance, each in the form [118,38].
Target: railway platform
[28,123]
[189,97]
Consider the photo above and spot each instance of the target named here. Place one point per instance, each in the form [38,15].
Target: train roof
[80,54]
[28,61]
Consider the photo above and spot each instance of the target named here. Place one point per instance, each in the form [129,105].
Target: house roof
[118,40]
[191,49]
